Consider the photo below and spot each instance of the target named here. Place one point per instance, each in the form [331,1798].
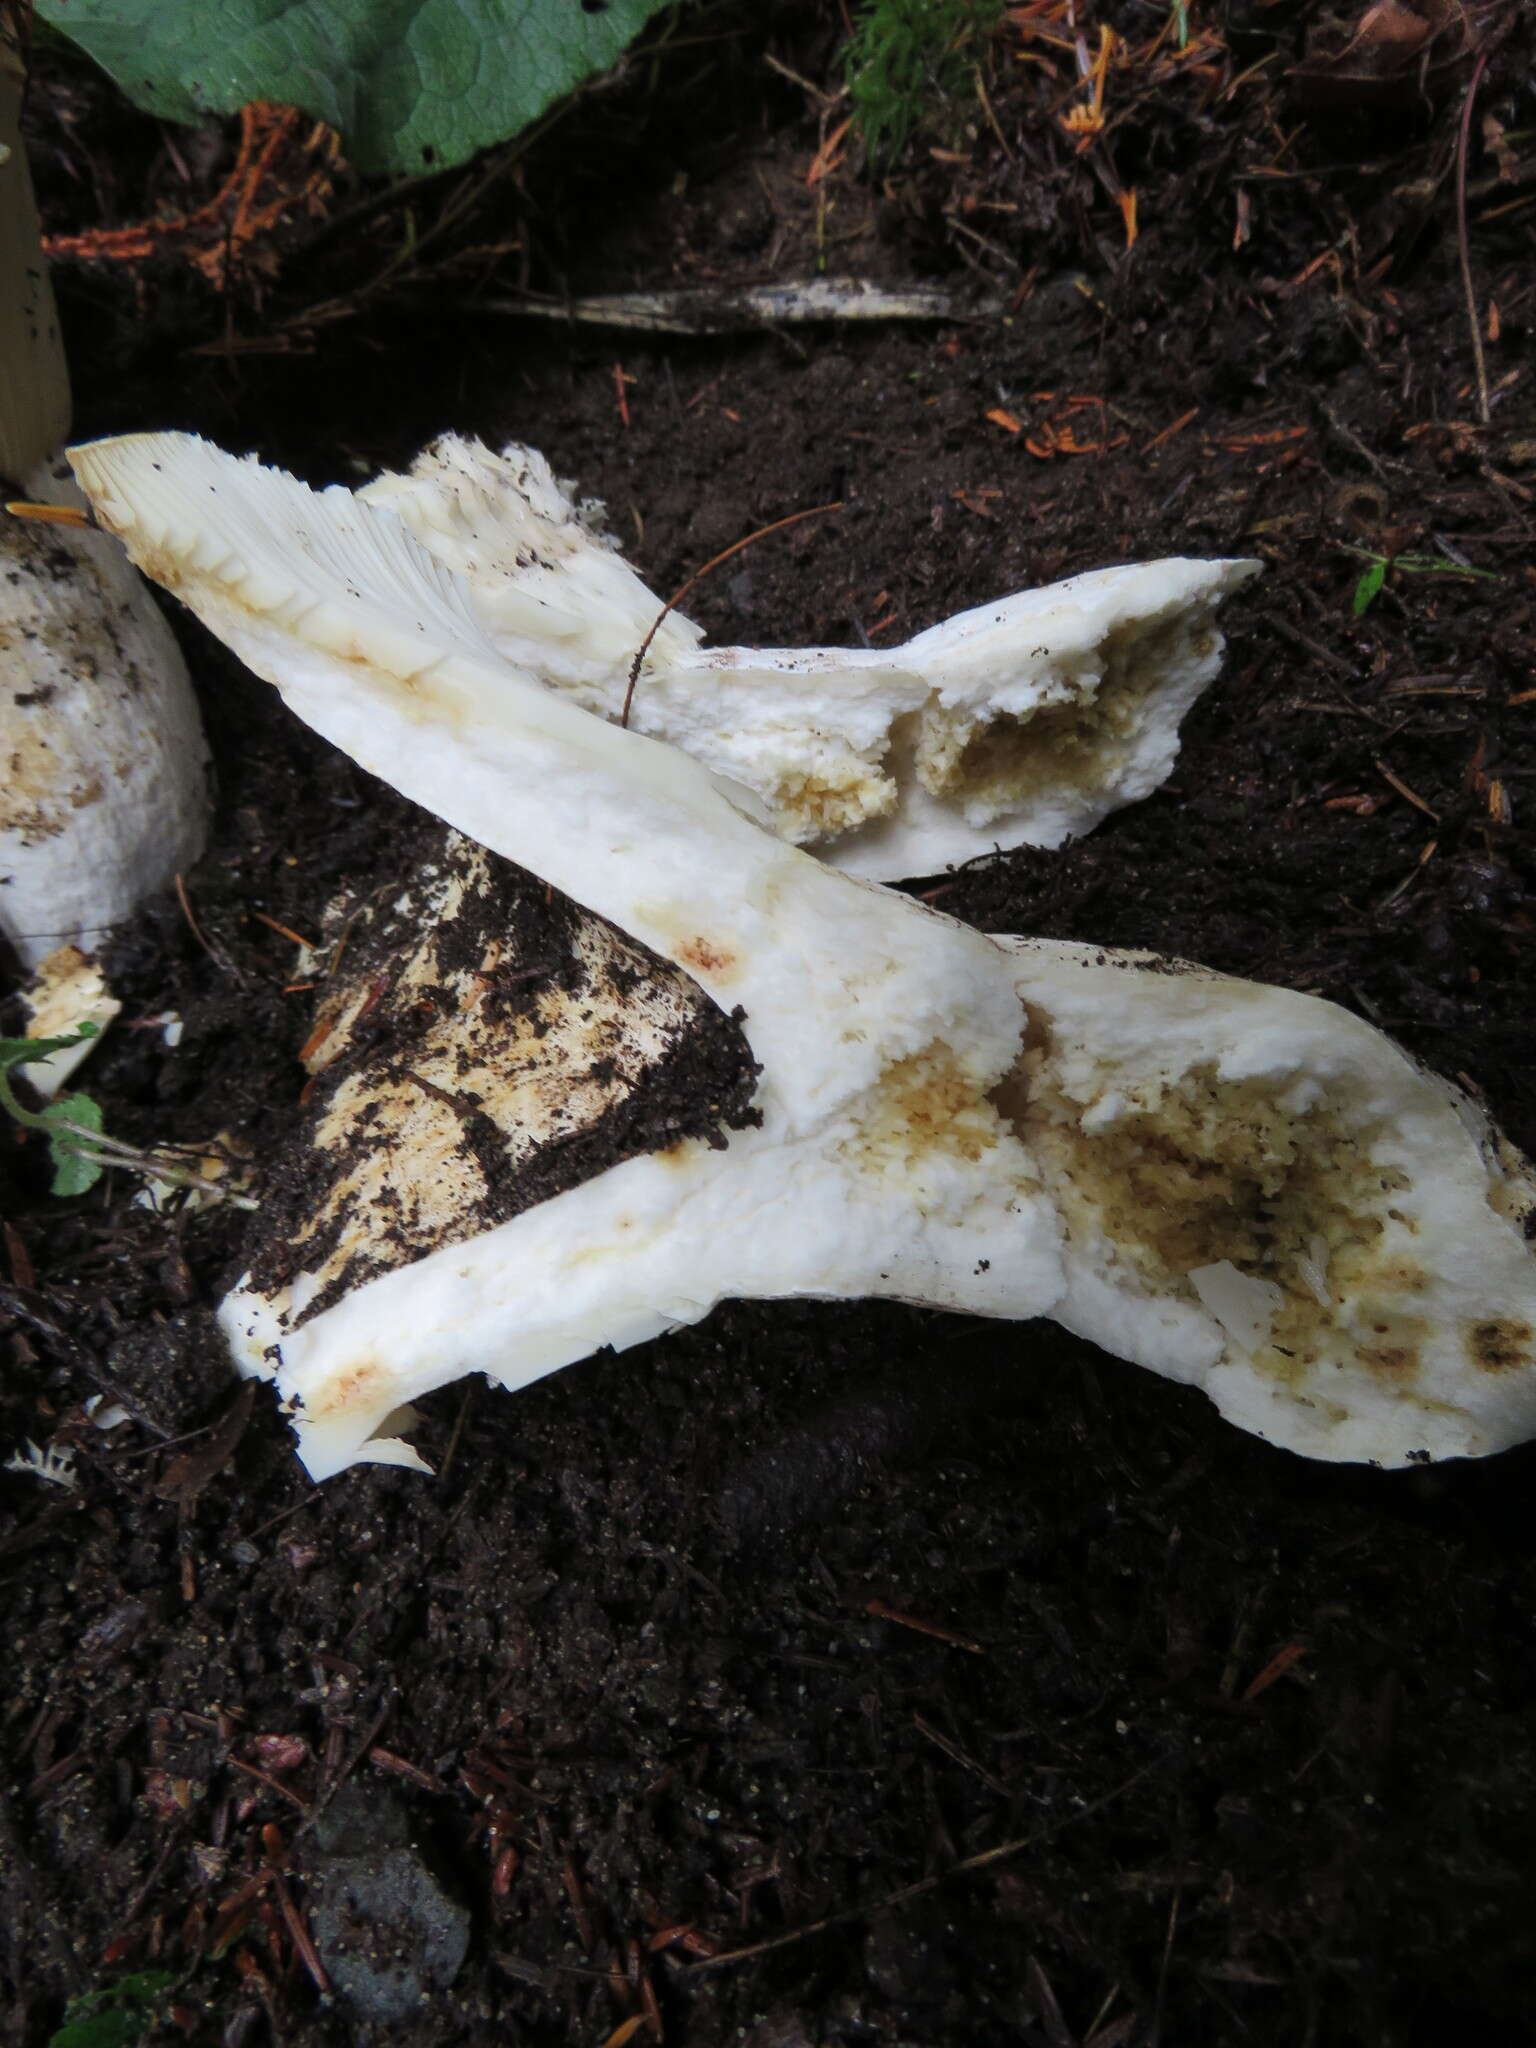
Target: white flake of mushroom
[1023,721]
[102,795]
[68,991]
[1163,1159]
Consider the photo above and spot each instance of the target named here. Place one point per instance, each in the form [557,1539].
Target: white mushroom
[102,762]
[1023,721]
[1165,1160]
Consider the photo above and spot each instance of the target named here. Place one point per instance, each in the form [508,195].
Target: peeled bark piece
[1160,1157]
[1023,721]
[104,794]
[1265,1196]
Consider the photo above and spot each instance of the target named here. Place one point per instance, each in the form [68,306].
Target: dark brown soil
[776,1625]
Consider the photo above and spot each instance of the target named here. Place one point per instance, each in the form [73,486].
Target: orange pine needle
[284,931]
[626,2030]
[1168,433]
[826,159]
[48,515]
[1277,1667]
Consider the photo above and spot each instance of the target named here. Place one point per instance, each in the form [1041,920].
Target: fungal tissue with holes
[725,1061]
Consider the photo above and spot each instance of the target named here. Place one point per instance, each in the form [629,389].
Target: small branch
[698,576]
[723,309]
[1463,240]
[981,1861]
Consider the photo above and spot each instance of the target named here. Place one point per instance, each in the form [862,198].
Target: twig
[1314,647]
[981,1861]
[301,1937]
[197,931]
[957,1755]
[883,1612]
[1403,790]
[1463,241]
[272,1784]
[1162,1969]
[698,576]
[748,308]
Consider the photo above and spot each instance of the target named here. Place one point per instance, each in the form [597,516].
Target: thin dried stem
[1464,242]
[698,576]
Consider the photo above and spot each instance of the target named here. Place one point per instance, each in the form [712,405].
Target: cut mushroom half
[1181,1166]
[1023,721]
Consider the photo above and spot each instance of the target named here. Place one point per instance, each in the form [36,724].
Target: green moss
[910,64]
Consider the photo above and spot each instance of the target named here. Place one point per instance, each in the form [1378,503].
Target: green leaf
[75,1169]
[15,1052]
[410,83]
[114,2017]
[117,2027]
[1367,589]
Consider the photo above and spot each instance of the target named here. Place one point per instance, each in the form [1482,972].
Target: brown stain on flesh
[1390,1344]
[354,1388]
[1076,740]
[706,956]
[1203,1169]
[926,1105]
[1500,1344]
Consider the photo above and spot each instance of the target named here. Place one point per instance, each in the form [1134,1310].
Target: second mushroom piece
[104,794]
[1233,1185]
[1022,722]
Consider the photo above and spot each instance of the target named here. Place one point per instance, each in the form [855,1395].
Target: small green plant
[116,2016]
[1373,577]
[78,1145]
[71,1123]
[909,62]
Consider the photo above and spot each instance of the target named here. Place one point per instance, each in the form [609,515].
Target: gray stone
[388,1933]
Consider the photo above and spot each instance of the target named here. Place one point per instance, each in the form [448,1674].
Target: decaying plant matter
[1231,1184]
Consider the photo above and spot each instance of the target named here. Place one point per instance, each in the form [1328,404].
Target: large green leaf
[409,83]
